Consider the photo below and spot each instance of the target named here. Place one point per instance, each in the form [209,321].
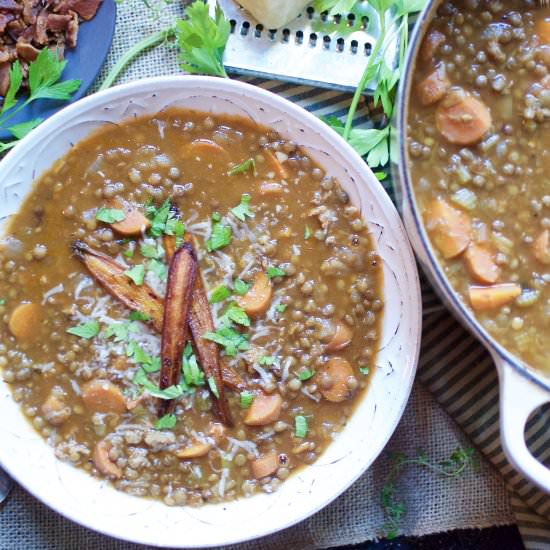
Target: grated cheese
[52,292]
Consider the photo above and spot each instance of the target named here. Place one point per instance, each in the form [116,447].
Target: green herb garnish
[236,314]
[306,374]
[281,308]
[273,272]
[243,211]
[110,215]
[85,330]
[246,399]
[213,387]
[150,251]
[2,301]
[267,360]
[231,340]
[129,252]
[300,423]
[240,287]
[220,236]
[159,268]
[244,167]
[307,232]
[137,354]
[452,467]
[119,331]
[139,316]
[219,294]
[202,40]
[167,422]
[173,392]
[136,274]
[192,374]
[364,370]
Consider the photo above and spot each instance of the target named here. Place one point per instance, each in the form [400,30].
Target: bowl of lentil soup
[211,313]
[473,166]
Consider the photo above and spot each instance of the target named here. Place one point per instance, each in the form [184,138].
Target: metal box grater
[298,52]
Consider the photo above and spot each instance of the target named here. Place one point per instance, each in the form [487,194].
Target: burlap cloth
[454,371]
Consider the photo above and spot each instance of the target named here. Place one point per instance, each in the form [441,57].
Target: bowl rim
[500,354]
[293,111]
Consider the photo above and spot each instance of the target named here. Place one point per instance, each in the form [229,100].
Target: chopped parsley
[267,360]
[164,220]
[136,274]
[219,294]
[150,251]
[158,268]
[2,301]
[281,308]
[119,331]
[86,330]
[220,236]
[129,252]
[139,316]
[244,167]
[136,353]
[307,232]
[236,314]
[300,423]
[110,215]
[167,422]
[192,374]
[240,287]
[243,211]
[273,272]
[172,392]
[246,399]
[231,340]
[306,374]
[364,370]
[213,387]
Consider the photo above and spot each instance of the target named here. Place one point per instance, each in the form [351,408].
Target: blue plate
[83,63]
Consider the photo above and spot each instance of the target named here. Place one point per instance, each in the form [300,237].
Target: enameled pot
[522,389]
[96,504]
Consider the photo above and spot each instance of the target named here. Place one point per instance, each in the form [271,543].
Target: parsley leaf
[246,398]
[281,308]
[86,330]
[110,215]
[137,354]
[159,268]
[213,387]
[219,294]
[364,370]
[273,272]
[307,232]
[136,274]
[267,360]
[236,314]
[306,374]
[2,301]
[172,392]
[231,340]
[220,236]
[167,422]
[244,167]
[192,374]
[240,287]
[150,251]
[23,128]
[119,331]
[334,7]
[243,211]
[139,316]
[300,423]
[16,79]
[202,40]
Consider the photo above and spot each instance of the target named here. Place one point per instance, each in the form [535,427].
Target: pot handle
[519,397]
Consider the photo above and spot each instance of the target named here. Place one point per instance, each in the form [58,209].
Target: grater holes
[310,11]
[326,42]
[258,31]
[364,22]
[368,48]
[313,39]
[245,27]
[299,37]
[233,24]
[286,34]
[351,19]
[272,33]
[340,43]
[353,46]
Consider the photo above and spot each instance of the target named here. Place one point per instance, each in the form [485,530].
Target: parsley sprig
[44,83]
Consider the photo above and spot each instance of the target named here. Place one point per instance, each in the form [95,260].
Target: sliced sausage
[24,320]
[480,263]
[484,298]
[265,465]
[134,224]
[257,300]
[339,372]
[434,87]
[265,409]
[103,396]
[341,338]
[194,451]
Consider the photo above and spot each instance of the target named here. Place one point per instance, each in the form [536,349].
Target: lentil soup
[191,307]
[479,156]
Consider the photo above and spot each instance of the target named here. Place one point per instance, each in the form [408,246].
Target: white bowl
[96,504]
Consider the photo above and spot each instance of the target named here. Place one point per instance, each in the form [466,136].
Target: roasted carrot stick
[179,290]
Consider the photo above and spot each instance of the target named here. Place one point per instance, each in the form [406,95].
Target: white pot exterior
[96,504]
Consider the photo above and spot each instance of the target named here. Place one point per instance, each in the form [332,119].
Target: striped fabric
[455,368]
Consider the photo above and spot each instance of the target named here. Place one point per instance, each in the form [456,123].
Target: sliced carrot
[265,409]
[341,338]
[541,247]
[24,320]
[103,462]
[134,224]
[195,451]
[542,30]
[273,163]
[103,396]
[434,87]
[339,371]
[270,188]
[265,465]
[256,301]
[431,43]
[484,298]
[449,228]
[462,119]
[206,149]
[480,263]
